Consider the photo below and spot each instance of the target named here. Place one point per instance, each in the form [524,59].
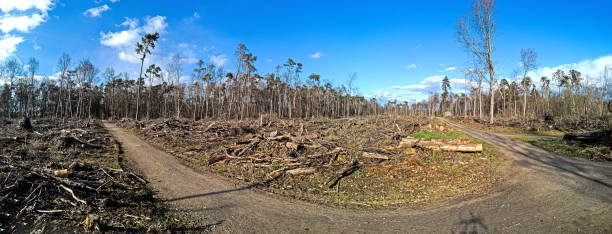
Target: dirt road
[545,193]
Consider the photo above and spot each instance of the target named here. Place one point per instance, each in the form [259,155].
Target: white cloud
[450,68]
[317,55]
[592,68]
[114,1]
[120,39]
[130,22]
[24,23]
[218,60]
[433,83]
[15,18]
[192,18]
[411,66]
[8,45]
[96,11]
[125,41]
[22,5]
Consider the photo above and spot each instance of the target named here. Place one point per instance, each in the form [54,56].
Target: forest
[81,91]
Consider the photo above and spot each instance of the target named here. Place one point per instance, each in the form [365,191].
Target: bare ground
[543,193]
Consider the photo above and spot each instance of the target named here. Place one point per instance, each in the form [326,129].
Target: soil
[543,193]
[271,156]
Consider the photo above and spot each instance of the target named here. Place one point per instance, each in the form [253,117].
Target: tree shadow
[472,224]
[596,173]
[250,186]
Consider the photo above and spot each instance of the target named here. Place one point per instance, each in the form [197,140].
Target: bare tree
[62,64]
[477,33]
[174,69]
[528,60]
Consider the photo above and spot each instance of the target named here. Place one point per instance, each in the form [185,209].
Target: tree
[13,70]
[525,83]
[446,87]
[152,72]
[32,69]
[546,90]
[477,34]
[143,49]
[174,69]
[62,65]
[528,58]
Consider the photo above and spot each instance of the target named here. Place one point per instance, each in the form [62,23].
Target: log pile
[454,145]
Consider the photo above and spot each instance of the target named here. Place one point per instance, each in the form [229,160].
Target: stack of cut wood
[458,145]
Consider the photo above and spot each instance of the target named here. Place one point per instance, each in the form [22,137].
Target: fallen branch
[334,179]
[72,193]
[51,211]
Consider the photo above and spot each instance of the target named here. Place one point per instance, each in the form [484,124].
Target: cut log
[375,156]
[61,173]
[451,147]
[302,171]
[408,142]
[462,148]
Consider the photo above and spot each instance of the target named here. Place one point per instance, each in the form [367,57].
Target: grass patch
[436,135]
[571,148]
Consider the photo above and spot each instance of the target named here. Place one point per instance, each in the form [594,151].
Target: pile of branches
[51,181]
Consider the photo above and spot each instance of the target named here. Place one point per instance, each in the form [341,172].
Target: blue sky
[398,49]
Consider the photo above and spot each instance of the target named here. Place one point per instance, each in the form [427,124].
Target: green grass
[571,148]
[435,135]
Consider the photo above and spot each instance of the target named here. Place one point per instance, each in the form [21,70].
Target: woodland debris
[294,146]
[26,124]
[334,179]
[92,222]
[49,185]
[603,136]
[72,193]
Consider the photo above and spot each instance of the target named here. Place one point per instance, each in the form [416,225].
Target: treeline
[567,96]
[581,100]
[81,90]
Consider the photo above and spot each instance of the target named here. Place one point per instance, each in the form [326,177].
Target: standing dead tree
[477,33]
[528,58]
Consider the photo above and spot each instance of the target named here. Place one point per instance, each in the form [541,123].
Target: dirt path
[549,194]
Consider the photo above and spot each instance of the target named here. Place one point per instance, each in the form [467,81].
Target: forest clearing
[358,117]
[352,162]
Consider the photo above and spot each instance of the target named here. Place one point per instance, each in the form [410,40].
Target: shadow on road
[253,185]
[598,174]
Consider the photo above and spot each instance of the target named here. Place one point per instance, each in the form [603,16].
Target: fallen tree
[603,136]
